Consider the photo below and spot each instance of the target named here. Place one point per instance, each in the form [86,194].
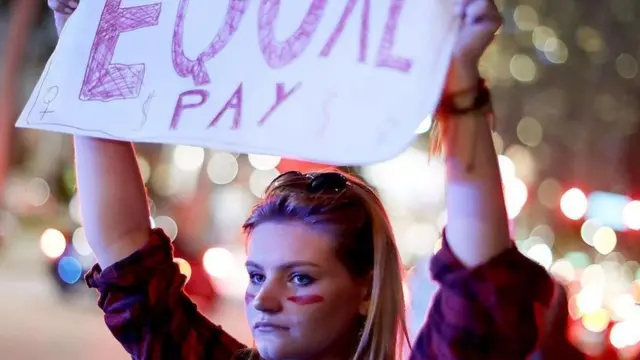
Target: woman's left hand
[62,9]
[479,21]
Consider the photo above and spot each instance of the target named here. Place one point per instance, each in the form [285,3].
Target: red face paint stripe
[248,298]
[306,299]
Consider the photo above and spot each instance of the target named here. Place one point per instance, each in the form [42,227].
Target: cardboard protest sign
[331,81]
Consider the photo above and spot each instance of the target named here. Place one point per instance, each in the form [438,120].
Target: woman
[325,275]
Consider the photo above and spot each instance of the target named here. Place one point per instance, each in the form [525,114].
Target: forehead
[274,243]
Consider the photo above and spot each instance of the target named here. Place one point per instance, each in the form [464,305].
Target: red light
[574,204]
[631,215]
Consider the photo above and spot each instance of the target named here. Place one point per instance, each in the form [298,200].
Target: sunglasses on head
[317,182]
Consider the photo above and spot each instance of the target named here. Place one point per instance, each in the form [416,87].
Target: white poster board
[331,81]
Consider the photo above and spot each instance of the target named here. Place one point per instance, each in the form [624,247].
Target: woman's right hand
[62,9]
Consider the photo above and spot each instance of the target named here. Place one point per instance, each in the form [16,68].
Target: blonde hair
[351,210]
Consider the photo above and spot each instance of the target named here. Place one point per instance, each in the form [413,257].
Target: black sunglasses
[317,182]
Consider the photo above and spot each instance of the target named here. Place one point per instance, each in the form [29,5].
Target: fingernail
[73,3]
[68,11]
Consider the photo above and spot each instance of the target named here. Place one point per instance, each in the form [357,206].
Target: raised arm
[113,200]
[115,212]
[477,226]
[140,286]
[491,296]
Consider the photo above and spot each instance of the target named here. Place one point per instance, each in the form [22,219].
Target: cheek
[248,297]
[306,299]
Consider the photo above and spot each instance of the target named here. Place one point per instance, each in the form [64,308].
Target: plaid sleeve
[148,312]
[490,312]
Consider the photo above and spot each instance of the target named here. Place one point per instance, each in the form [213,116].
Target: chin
[271,349]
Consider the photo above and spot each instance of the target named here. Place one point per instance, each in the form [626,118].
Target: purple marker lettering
[182,105]
[281,96]
[196,68]
[235,103]
[364,30]
[104,81]
[280,54]
[385,52]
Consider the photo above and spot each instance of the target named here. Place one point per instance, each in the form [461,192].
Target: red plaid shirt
[484,313]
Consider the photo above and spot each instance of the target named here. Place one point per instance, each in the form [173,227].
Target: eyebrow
[284,266]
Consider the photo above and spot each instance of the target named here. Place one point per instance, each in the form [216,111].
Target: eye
[256,278]
[302,279]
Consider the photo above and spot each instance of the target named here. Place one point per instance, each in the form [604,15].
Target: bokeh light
[184,266]
[605,240]
[188,158]
[574,204]
[53,243]
[631,215]
[219,262]
[69,270]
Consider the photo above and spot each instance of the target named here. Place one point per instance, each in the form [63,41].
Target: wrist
[476,98]
[463,76]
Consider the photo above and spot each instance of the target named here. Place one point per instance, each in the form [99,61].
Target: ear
[365,298]
[364,307]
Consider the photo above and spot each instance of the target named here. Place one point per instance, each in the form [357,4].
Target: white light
[168,225]
[563,269]
[574,204]
[425,125]
[541,253]
[590,299]
[260,179]
[222,168]
[53,243]
[80,243]
[264,162]
[507,167]
[515,196]
[631,215]
[188,158]
[218,262]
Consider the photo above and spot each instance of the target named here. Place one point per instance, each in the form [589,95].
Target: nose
[268,298]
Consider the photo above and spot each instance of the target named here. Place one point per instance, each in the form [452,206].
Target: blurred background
[564,75]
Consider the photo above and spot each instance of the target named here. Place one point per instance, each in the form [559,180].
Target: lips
[265,326]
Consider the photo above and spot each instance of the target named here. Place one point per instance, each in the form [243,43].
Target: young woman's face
[301,301]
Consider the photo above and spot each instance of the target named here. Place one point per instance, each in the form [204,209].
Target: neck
[343,349]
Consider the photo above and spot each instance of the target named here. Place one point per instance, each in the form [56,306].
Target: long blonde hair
[353,212]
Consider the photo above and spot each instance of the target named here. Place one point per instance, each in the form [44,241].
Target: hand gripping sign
[331,81]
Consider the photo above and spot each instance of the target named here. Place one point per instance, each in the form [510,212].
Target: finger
[478,10]
[62,6]
[65,10]
[69,3]
[459,7]
[482,11]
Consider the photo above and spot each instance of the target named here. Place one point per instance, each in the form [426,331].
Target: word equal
[106,81]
